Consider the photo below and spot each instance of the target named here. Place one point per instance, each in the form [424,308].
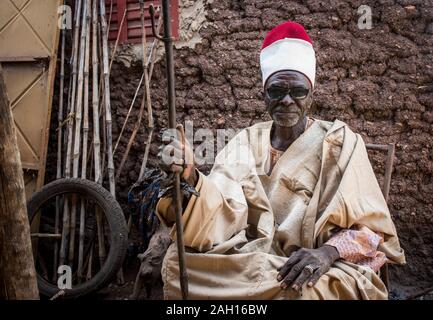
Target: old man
[291,208]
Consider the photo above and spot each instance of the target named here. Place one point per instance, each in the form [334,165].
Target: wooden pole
[73,93]
[96,138]
[77,138]
[65,122]
[65,231]
[17,269]
[85,138]
[59,151]
[95,95]
[128,114]
[66,215]
[150,61]
[102,106]
[110,16]
[146,96]
[149,105]
[108,121]
[146,71]
[60,114]
[101,238]
[107,102]
[89,266]
[79,111]
[113,53]
[168,41]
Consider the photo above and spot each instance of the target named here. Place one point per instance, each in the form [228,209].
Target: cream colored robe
[245,223]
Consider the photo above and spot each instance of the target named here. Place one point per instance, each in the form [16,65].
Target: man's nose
[287,100]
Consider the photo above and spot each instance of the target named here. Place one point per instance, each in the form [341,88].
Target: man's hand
[306,265]
[176,155]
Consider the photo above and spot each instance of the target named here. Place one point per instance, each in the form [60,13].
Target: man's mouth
[286,110]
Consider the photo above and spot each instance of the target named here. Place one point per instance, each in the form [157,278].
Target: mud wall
[379,81]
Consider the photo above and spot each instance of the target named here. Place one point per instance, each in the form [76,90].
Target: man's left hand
[306,265]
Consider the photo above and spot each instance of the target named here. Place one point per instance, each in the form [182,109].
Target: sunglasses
[278,93]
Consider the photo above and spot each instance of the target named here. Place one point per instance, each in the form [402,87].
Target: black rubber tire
[116,222]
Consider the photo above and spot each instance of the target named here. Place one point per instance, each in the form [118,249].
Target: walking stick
[168,42]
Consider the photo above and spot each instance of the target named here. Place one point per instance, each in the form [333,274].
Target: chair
[390,149]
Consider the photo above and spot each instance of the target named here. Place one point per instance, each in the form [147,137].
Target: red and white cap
[288,47]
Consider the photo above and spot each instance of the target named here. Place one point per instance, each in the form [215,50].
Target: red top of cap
[287,29]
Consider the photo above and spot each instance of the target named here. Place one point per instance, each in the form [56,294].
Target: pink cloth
[359,245]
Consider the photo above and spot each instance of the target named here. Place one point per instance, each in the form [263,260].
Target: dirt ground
[379,81]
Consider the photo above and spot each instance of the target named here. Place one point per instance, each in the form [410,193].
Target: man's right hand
[176,155]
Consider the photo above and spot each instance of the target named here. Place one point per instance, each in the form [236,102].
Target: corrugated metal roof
[131,28]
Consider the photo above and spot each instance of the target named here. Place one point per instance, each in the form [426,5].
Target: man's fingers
[176,168]
[282,271]
[293,274]
[305,275]
[315,277]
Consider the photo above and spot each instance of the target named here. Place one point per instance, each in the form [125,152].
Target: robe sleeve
[359,245]
[209,219]
[231,205]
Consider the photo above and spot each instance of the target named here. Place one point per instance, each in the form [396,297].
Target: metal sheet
[131,29]
[28,51]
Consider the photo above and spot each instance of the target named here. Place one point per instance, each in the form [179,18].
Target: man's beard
[286,116]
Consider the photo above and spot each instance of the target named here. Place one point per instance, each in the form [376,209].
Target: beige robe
[245,223]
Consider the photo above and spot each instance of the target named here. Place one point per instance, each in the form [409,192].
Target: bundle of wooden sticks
[85,147]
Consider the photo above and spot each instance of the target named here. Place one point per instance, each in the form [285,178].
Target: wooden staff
[85,138]
[168,41]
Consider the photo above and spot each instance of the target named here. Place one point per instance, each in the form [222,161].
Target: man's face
[288,97]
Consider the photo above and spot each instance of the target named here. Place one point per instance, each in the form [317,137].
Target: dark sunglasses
[279,93]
